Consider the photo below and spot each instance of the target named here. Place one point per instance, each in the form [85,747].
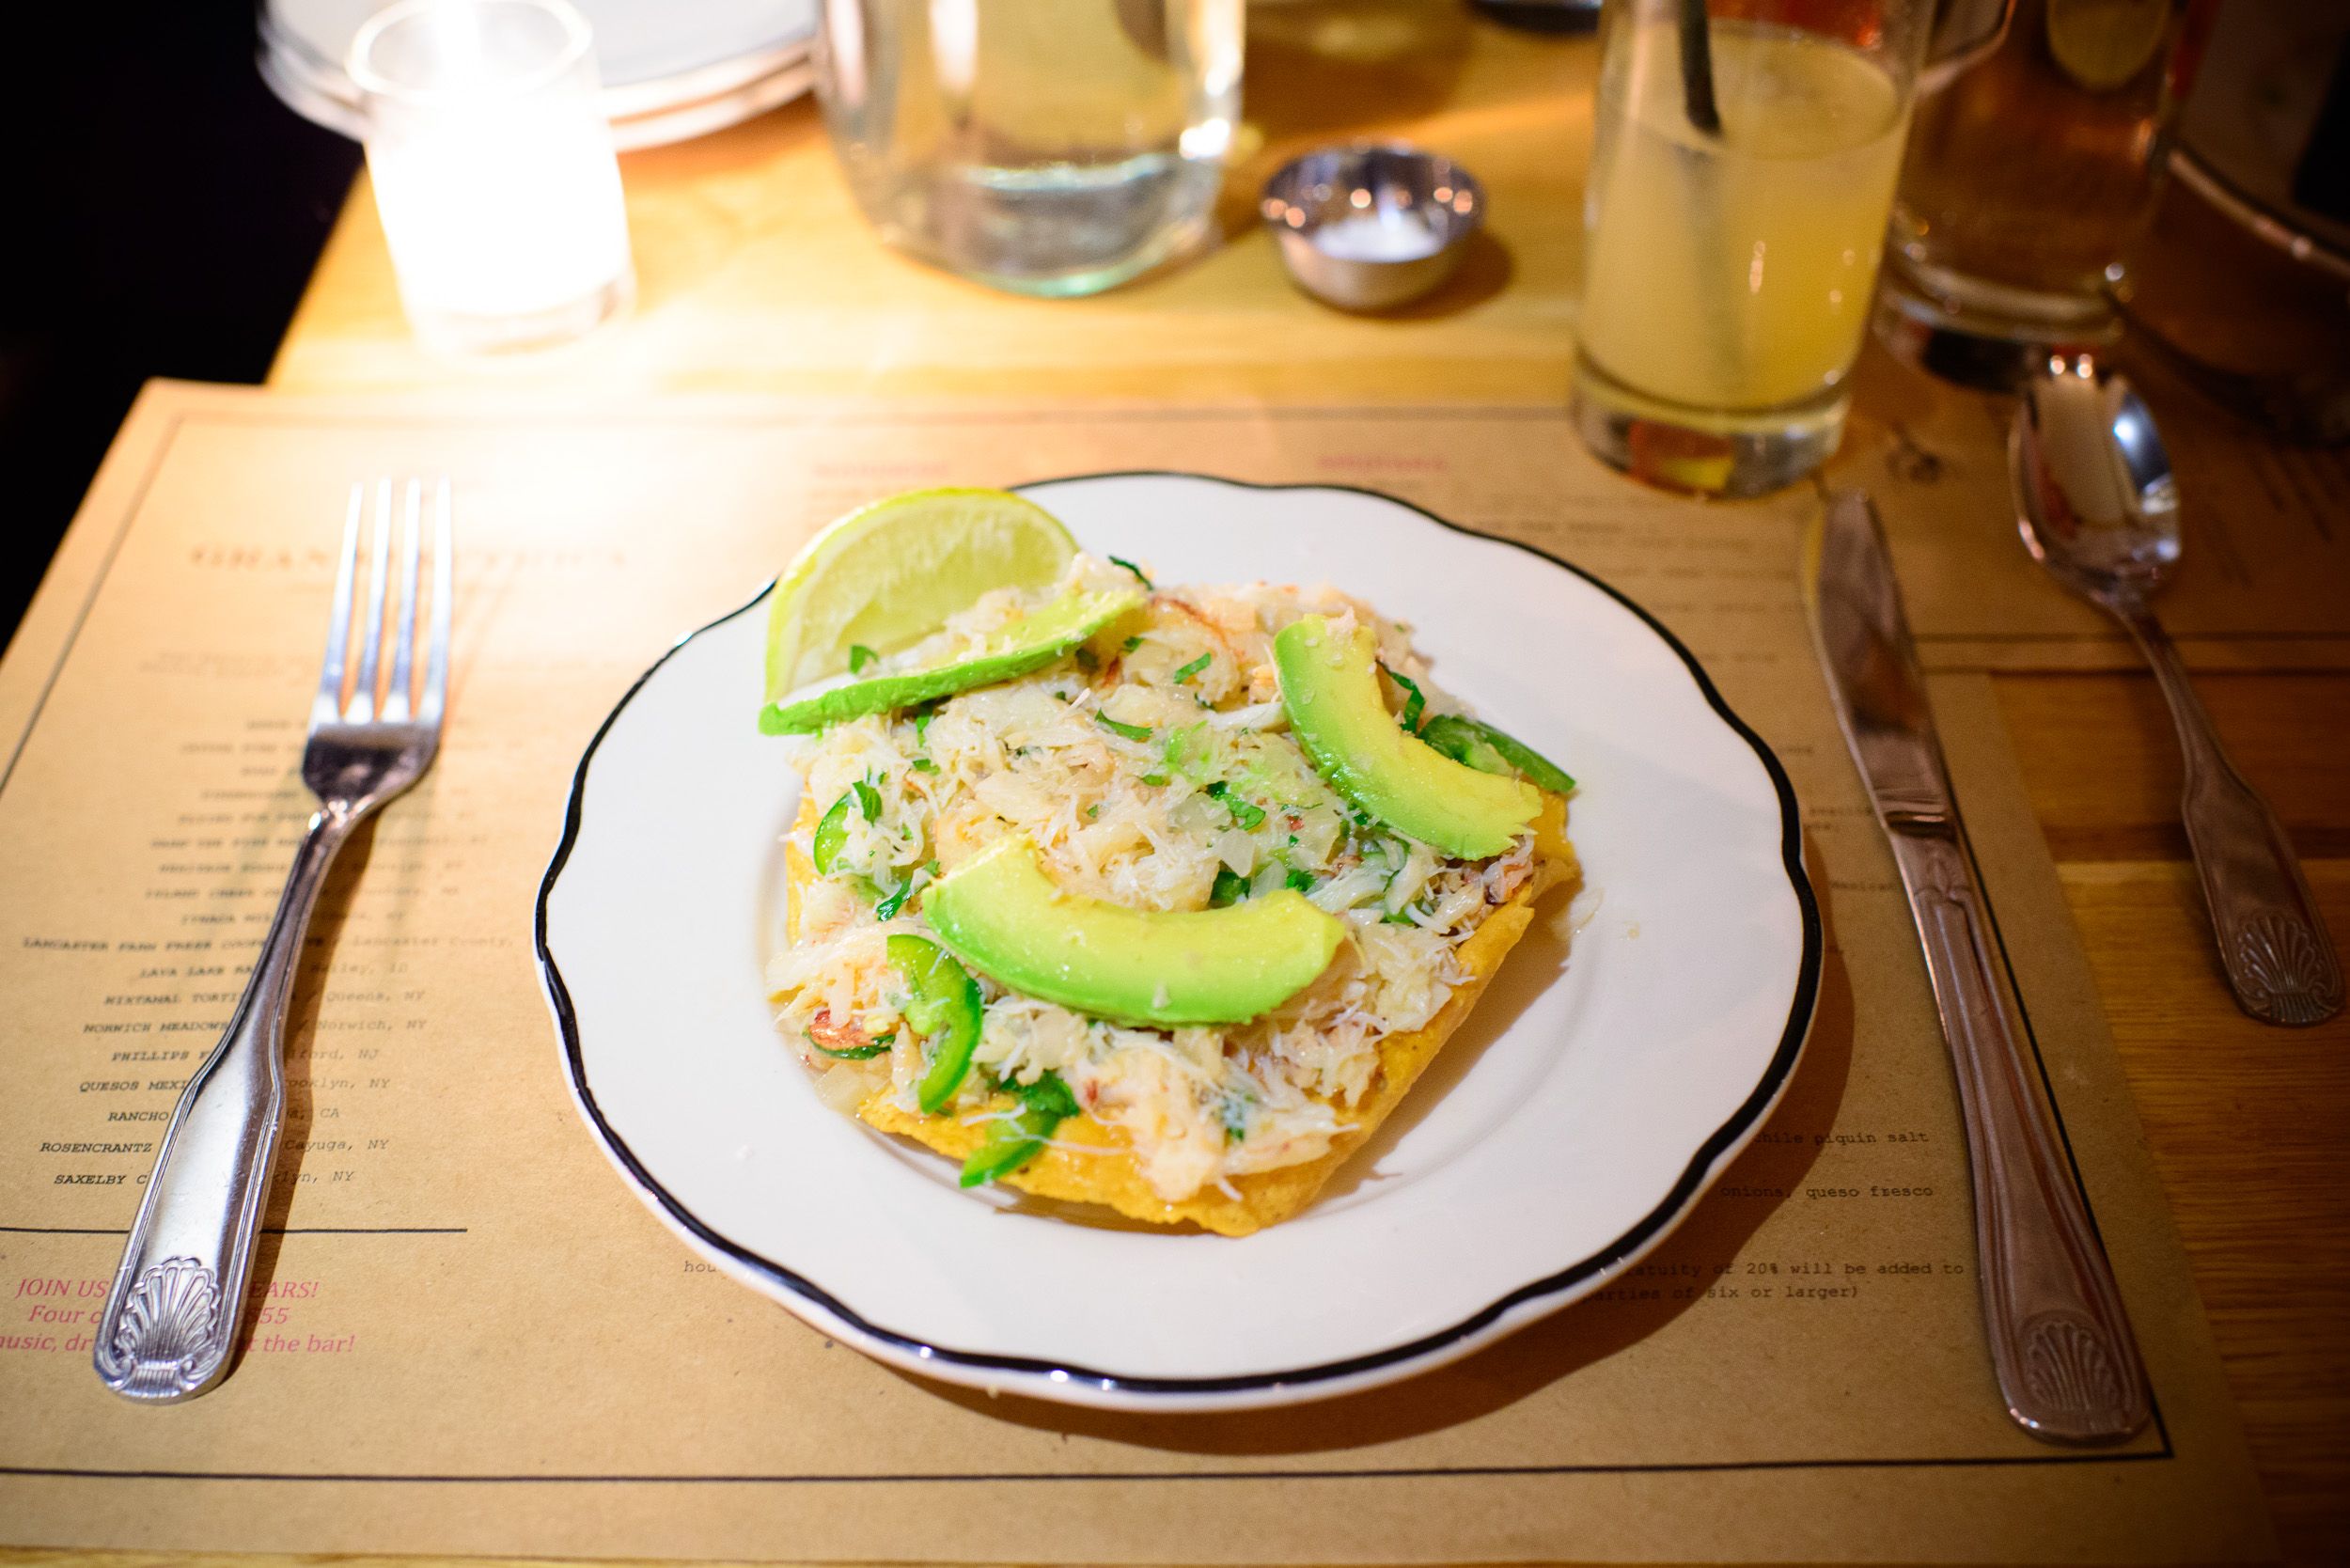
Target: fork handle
[172,1317]
[2272,940]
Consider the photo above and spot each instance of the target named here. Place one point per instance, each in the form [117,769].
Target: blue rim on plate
[1048,1378]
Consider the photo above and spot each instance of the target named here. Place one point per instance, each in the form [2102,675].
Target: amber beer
[2031,175]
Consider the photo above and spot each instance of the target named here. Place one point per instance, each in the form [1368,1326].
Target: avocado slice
[1331,689]
[999,912]
[1029,643]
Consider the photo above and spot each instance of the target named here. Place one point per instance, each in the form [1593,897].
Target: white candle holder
[493,173]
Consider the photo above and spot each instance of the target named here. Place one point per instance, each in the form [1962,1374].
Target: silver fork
[172,1317]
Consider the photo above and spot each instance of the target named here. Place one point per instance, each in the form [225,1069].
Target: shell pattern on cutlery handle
[171,1319]
[2272,941]
[2061,1343]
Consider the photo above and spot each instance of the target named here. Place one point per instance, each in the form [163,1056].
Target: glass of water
[493,172]
[1044,147]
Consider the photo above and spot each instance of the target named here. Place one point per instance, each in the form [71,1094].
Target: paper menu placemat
[469,1336]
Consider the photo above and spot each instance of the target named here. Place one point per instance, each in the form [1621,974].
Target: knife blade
[2061,1349]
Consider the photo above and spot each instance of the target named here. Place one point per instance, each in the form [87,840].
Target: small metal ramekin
[1375,225]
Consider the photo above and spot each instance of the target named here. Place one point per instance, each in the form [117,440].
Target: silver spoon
[2098,507]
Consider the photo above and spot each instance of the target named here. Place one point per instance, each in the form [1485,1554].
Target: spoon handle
[2272,939]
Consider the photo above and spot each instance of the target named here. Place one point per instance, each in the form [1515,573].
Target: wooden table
[758,275]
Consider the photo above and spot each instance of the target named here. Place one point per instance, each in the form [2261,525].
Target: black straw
[1697,69]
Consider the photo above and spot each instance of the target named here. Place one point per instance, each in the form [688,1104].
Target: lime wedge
[2104,44]
[890,573]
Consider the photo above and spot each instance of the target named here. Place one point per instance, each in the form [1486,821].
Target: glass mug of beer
[2029,179]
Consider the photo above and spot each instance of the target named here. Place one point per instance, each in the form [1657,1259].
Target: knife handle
[2060,1344]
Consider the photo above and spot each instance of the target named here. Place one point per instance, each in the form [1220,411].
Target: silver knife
[2061,1343]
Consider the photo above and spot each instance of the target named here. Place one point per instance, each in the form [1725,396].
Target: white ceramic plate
[1568,1126]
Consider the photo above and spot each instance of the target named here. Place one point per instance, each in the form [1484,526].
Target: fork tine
[436,659]
[404,641]
[371,648]
[328,705]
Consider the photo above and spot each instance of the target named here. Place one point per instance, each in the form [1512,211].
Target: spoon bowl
[2094,495]
[2098,506]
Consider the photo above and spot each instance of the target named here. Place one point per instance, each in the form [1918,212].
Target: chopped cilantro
[1132,732]
[1298,881]
[887,909]
[922,717]
[1234,1115]
[1094,810]
[1133,643]
[867,801]
[859,656]
[1249,817]
[1155,778]
[923,764]
[1087,662]
[1231,888]
[1121,560]
[1193,668]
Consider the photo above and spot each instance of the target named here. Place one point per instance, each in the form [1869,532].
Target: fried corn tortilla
[1264,1197]
[1161,765]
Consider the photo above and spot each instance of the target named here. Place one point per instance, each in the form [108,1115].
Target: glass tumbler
[1044,147]
[1742,164]
[493,172]
[2031,177]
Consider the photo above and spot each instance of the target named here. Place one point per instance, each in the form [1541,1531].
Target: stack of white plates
[671,69]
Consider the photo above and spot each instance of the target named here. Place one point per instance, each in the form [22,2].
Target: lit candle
[493,172]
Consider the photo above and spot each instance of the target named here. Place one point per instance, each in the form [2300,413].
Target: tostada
[1157,898]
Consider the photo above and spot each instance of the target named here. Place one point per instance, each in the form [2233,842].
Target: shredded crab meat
[1152,769]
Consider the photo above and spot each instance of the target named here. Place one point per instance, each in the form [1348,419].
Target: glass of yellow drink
[1733,218]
